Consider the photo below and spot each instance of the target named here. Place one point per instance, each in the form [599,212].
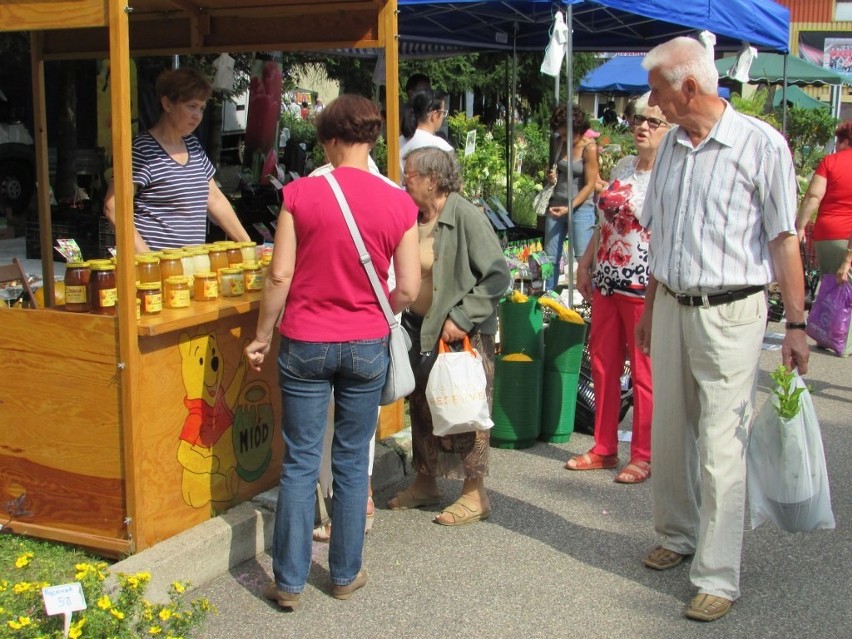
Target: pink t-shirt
[330,299]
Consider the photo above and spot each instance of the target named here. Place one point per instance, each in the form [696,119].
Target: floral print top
[622,255]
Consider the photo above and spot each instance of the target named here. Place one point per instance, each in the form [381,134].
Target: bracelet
[791,326]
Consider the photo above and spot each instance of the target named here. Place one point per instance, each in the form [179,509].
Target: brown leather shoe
[704,607]
[345,592]
[288,600]
[662,558]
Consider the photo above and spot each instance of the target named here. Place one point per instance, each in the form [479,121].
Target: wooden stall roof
[80,28]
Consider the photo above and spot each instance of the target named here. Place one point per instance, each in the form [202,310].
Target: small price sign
[64,600]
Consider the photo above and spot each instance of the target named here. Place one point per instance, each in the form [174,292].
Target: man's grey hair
[681,58]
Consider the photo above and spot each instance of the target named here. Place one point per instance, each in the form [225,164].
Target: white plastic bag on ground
[456,392]
[787,477]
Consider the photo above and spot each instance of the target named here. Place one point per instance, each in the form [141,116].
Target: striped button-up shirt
[713,209]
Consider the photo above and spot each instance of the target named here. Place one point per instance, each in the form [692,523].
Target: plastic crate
[559,405]
[516,405]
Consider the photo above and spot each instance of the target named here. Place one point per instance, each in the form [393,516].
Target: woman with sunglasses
[420,123]
[613,275]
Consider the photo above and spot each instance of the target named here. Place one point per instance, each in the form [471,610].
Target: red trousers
[614,319]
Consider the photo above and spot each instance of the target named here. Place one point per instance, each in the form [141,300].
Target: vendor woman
[172,176]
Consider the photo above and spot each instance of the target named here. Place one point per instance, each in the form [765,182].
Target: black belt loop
[714,299]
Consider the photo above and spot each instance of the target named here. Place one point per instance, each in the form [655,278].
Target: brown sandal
[406,499]
[662,558]
[591,461]
[634,473]
[463,511]
[704,607]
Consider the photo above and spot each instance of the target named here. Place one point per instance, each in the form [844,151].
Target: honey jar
[206,286]
[77,287]
[102,291]
[150,297]
[252,276]
[249,251]
[170,265]
[218,259]
[200,259]
[235,254]
[176,293]
[232,282]
[148,269]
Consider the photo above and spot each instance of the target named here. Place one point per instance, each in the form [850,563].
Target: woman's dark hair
[433,162]
[579,122]
[182,85]
[419,108]
[844,132]
[349,118]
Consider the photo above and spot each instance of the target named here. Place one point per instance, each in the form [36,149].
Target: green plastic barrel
[559,406]
[520,328]
[516,407]
[563,345]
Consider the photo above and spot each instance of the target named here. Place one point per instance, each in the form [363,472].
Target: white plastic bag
[787,477]
[456,392]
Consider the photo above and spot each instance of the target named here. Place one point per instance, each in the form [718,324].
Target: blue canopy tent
[622,74]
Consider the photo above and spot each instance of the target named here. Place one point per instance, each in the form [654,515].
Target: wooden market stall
[104,440]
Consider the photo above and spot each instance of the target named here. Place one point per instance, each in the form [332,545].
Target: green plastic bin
[516,407]
[559,406]
[521,328]
[563,345]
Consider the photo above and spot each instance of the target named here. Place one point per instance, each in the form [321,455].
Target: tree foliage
[808,131]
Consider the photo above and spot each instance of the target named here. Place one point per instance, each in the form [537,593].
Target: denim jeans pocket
[369,358]
[303,359]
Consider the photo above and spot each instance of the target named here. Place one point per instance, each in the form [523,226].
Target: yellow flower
[75,633]
[22,622]
[22,587]
[23,560]
[165,614]
[116,613]
[154,630]
[104,603]
[179,587]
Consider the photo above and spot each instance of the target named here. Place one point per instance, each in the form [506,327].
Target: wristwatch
[791,326]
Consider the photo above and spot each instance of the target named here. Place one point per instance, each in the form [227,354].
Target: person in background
[576,167]
[721,211]
[613,274]
[423,117]
[318,107]
[610,115]
[842,273]
[304,112]
[829,196]
[464,275]
[293,108]
[343,350]
[173,178]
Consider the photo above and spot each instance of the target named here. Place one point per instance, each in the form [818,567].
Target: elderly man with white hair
[721,210]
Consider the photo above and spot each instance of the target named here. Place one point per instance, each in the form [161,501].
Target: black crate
[83,229]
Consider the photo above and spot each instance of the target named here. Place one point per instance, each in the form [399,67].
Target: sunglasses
[653,123]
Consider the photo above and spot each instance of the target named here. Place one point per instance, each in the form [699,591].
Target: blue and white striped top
[170,205]
[713,209]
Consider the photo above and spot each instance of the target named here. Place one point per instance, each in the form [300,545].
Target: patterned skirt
[459,456]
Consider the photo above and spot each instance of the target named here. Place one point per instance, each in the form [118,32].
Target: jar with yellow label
[252,276]
[249,251]
[232,282]
[176,294]
[150,296]
[170,265]
[102,290]
[148,269]
[77,287]
[206,286]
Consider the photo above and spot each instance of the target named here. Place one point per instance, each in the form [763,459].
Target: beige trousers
[704,363]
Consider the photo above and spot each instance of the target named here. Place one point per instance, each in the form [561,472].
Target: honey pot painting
[227,434]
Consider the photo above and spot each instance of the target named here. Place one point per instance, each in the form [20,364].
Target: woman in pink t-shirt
[334,339]
[829,195]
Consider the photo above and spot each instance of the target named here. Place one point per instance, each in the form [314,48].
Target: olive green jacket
[469,275]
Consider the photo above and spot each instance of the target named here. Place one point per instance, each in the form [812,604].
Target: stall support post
[128,341]
[45,222]
[389,36]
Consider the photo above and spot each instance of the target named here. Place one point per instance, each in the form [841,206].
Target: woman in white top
[420,121]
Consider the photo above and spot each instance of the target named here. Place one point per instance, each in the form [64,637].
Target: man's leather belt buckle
[714,299]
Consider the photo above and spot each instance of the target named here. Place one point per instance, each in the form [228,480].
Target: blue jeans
[309,372]
[556,229]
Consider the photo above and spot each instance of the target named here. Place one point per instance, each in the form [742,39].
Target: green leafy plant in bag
[786,393]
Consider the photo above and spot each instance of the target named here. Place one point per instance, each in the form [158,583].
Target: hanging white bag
[456,392]
[787,476]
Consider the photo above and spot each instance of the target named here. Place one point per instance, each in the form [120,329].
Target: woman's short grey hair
[680,58]
[436,163]
[641,103]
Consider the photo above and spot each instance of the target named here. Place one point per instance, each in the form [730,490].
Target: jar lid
[147,259]
[250,266]
[77,265]
[204,275]
[232,270]
[172,250]
[248,244]
[177,279]
[225,243]
[101,265]
[198,250]
[148,286]
[217,248]
[169,256]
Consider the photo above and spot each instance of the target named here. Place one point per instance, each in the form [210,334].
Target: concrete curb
[210,549]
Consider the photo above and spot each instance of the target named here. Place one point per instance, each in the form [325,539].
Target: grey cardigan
[469,274]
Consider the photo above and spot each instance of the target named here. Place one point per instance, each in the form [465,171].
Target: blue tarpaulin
[623,74]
